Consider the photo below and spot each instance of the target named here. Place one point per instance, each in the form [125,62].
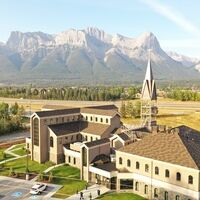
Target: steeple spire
[149,86]
[149,98]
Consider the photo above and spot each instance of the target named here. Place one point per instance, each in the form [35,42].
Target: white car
[38,188]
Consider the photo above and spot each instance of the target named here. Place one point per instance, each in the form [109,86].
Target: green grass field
[68,177]
[4,156]
[121,196]
[17,146]
[19,165]
[20,151]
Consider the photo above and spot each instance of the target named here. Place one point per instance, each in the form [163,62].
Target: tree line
[11,118]
[183,95]
[130,110]
[72,93]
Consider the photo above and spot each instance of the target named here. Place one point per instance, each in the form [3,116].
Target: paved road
[14,136]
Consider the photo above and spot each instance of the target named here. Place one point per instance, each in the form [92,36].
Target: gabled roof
[94,128]
[98,111]
[65,128]
[149,86]
[79,126]
[49,113]
[180,148]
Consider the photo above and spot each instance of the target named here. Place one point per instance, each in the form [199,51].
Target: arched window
[146,168]
[96,119]
[90,118]
[136,186]
[120,160]
[156,170]
[106,120]
[155,192]
[101,119]
[166,195]
[146,189]
[128,163]
[190,179]
[86,137]
[177,197]
[91,138]
[74,161]
[137,165]
[86,118]
[51,141]
[69,159]
[167,173]
[178,176]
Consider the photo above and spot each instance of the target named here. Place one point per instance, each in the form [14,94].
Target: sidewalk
[91,190]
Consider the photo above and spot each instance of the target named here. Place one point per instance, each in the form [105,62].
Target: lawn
[20,151]
[17,146]
[19,165]
[4,156]
[68,177]
[121,196]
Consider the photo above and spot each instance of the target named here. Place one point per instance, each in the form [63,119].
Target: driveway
[11,188]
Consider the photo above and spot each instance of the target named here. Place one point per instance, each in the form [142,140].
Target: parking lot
[11,189]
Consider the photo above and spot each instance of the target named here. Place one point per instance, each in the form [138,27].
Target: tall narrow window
[177,197]
[146,189]
[136,186]
[51,141]
[69,159]
[166,195]
[120,160]
[101,119]
[106,120]
[156,170]
[146,168]
[167,173]
[190,179]
[74,161]
[128,163]
[137,165]
[36,131]
[155,192]
[90,118]
[178,176]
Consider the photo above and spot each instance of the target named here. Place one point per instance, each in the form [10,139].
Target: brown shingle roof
[79,126]
[65,128]
[97,142]
[49,113]
[55,107]
[181,148]
[94,128]
[97,111]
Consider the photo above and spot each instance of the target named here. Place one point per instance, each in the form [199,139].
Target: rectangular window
[69,159]
[74,161]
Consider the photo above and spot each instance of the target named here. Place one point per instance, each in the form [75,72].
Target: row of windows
[156,170]
[69,160]
[155,192]
[96,119]
[62,119]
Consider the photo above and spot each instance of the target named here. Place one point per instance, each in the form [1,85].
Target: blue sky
[175,23]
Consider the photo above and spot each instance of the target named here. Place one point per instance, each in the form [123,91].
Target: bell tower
[149,108]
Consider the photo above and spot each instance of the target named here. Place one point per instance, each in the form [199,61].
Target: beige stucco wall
[173,169]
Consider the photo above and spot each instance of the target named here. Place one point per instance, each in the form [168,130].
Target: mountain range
[89,56]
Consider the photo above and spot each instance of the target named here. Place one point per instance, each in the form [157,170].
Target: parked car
[38,188]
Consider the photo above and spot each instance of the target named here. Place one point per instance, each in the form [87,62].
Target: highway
[37,104]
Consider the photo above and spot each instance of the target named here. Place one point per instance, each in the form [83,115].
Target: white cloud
[173,15]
